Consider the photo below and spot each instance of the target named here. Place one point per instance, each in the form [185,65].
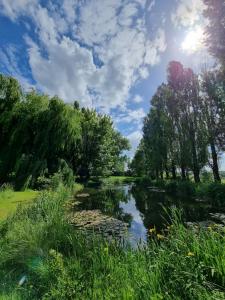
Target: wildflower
[152,230]
[190,254]
[160,236]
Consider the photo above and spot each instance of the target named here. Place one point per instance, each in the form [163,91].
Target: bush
[180,188]
[171,187]
[186,189]
[215,192]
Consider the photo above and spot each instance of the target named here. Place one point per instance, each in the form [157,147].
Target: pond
[141,207]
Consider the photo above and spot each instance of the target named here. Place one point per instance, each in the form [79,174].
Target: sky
[107,54]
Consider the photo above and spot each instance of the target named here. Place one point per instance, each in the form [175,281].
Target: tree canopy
[39,135]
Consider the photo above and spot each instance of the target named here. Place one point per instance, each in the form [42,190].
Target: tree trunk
[215,167]
[196,175]
[174,175]
[183,174]
[196,170]
[187,175]
[167,172]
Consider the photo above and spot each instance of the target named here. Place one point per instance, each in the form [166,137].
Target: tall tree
[215,29]
[213,109]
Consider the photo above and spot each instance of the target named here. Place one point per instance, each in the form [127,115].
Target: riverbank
[9,200]
[43,257]
[212,192]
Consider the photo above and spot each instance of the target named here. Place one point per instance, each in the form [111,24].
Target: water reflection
[141,208]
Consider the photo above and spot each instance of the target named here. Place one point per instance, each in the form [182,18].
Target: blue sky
[107,54]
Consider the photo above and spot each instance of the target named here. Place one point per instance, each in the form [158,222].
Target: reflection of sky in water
[141,208]
[137,228]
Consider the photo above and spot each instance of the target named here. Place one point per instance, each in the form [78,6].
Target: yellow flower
[190,254]
[160,236]
[152,230]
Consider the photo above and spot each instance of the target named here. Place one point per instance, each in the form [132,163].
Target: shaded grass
[9,200]
[62,263]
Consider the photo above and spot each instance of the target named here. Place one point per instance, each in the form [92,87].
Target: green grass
[117,179]
[62,263]
[9,200]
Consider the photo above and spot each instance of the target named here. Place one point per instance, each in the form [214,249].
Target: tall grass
[58,262]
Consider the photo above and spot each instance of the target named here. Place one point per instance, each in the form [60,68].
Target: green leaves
[37,133]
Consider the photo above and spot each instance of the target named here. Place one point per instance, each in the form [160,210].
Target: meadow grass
[58,262]
[9,200]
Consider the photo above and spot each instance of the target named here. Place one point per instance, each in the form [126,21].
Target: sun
[194,40]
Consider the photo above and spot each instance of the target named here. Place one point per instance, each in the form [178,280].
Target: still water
[141,207]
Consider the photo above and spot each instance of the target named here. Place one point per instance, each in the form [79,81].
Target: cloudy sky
[108,54]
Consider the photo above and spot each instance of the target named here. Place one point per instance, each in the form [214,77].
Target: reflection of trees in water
[150,204]
[108,201]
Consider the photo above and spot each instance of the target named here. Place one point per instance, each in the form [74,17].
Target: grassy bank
[9,200]
[43,257]
[112,180]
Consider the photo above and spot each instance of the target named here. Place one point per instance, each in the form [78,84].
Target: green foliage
[62,263]
[214,192]
[41,136]
[184,129]
[215,30]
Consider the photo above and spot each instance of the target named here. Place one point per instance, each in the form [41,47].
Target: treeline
[40,136]
[184,130]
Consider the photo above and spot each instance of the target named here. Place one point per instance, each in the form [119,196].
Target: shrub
[186,189]
[171,187]
[215,192]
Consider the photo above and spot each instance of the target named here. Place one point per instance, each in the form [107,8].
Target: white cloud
[130,116]
[151,4]
[116,49]
[8,58]
[13,9]
[138,99]
[134,139]
[188,12]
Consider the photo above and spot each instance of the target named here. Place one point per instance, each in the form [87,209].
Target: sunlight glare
[193,40]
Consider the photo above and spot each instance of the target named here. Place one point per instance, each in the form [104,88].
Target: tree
[190,126]
[213,109]
[215,29]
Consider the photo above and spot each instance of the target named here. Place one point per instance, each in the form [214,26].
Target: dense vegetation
[185,128]
[45,143]
[40,136]
[43,257]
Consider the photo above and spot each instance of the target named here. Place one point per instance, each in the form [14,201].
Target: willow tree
[10,97]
